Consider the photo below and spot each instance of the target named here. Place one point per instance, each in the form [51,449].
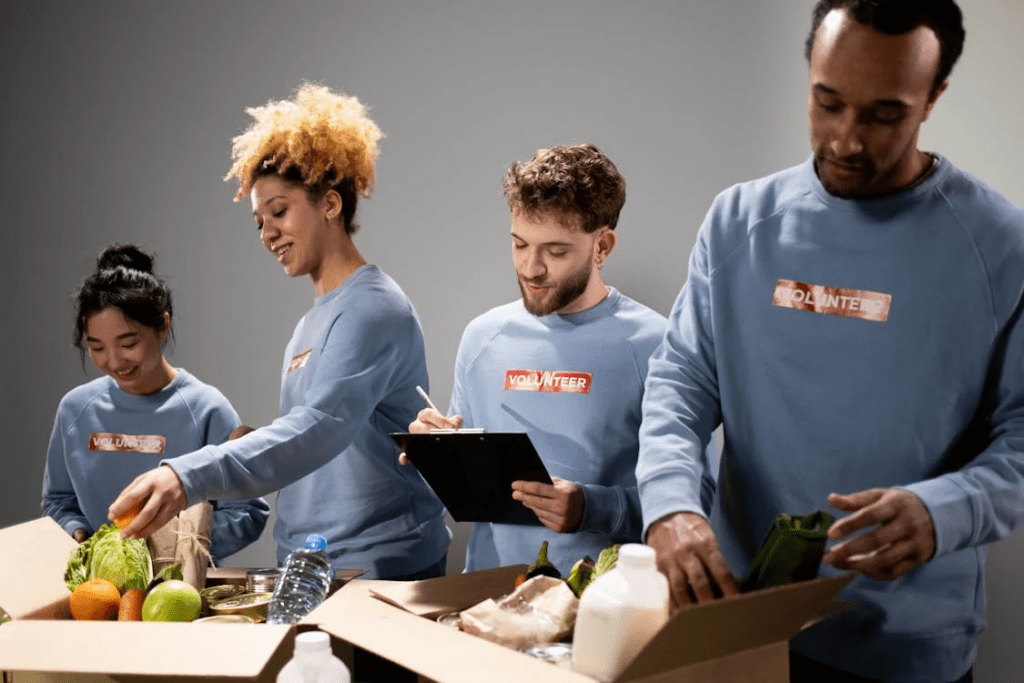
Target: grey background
[117,119]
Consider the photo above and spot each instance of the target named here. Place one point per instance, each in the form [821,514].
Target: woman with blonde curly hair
[350,370]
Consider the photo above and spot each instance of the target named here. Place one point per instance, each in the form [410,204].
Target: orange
[130,608]
[126,517]
[95,599]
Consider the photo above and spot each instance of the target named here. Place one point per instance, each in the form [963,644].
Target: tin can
[251,604]
[261,580]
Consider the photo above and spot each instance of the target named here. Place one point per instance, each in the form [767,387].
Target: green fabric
[791,551]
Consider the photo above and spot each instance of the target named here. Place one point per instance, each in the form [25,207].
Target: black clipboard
[472,472]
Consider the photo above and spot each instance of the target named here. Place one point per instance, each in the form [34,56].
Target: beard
[567,291]
[859,185]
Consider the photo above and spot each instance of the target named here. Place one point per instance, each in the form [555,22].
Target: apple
[172,600]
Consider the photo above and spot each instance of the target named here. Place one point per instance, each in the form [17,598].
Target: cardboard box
[43,643]
[736,639]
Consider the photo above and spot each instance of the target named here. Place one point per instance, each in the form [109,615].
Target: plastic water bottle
[619,613]
[303,584]
[313,662]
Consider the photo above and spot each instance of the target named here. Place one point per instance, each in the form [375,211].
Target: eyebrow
[894,103]
[545,244]
[123,335]
[276,196]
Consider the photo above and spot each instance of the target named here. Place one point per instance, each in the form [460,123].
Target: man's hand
[164,498]
[559,507]
[428,419]
[239,432]
[688,555]
[903,538]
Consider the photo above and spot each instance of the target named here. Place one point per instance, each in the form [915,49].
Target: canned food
[214,594]
[249,604]
[559,654]
[261,580]
[227,619]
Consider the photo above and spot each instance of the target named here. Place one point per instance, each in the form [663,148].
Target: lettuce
[126,564]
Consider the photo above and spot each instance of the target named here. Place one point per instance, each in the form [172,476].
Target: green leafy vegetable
[606,560]
[125,563]
[581,575]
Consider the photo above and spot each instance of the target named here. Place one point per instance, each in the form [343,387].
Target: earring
[600,265]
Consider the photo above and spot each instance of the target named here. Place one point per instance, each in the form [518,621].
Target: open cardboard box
[43,643]
[737,639]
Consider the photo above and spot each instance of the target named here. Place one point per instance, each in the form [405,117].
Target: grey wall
[117,119]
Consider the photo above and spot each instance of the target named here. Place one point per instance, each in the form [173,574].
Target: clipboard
[472,471]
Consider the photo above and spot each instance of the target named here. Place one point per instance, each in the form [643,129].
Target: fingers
[866,511]
[428,419]
[163,495]
[239,432]
[403,459]
[688,555]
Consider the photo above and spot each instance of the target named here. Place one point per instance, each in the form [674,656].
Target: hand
[688,555]
[239,432]
[903,538]
[80,535]
[164,498]
[426,420]
[559,507]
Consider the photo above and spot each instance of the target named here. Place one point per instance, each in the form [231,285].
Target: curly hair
[897,17]
[568,181]
[321,140]
[123,279]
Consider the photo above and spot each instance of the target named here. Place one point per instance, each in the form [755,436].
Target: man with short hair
[854,324]
[566,364]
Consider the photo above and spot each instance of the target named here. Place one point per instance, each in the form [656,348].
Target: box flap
[118,648]
[734,624]
[33,556]
[437,652]
[433,597]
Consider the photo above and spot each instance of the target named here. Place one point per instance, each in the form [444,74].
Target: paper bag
[185,540]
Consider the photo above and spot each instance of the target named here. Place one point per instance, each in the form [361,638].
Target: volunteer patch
[849,303]
[556,381]
[299,360]
[127,443]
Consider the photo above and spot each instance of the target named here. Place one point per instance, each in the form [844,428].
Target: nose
[847,136]
[269,234]
[531,265]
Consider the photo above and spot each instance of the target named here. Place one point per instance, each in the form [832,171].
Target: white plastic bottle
[313,662]
[304,582]
[619,613]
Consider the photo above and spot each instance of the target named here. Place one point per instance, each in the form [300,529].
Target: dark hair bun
[126,255]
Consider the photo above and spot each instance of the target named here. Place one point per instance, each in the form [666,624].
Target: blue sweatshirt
[845,345]
[348,381]
[104,437]
[573,383]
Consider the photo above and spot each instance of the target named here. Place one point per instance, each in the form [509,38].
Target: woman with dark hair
[110,430]
[350,371]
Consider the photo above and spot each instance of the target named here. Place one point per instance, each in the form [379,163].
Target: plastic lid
[636,556]
[315,542]
[312,642]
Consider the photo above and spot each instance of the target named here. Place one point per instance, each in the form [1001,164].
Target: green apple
[172,600]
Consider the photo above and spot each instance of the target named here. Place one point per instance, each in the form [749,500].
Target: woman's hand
[163,498]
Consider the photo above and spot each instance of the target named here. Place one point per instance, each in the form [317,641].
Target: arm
[351,378]
[60,501]
[680,412]
[978,503]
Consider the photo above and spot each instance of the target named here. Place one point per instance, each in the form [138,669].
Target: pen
[426,399]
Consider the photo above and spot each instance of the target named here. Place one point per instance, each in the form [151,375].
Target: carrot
[130,608]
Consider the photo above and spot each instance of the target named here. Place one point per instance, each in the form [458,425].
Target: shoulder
[196,392]
[84,394]
[642,327]
[979,205]
[487,325]
[744,204]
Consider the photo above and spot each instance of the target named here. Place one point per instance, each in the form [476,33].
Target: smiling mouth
[281,251]
[125,375]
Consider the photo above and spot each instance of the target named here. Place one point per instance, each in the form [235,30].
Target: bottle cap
[315,542]
[636,555]
[312,642]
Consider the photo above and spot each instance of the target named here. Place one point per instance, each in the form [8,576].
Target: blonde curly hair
[321,139]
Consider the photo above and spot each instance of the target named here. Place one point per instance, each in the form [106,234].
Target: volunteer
[142,410]
[854,323]
[350,371]
[565,364]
